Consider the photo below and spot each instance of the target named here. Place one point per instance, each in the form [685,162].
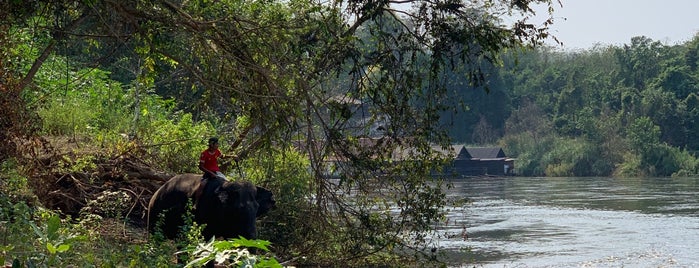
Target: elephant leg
[199,191]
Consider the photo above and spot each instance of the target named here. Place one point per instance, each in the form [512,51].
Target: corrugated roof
[485,152]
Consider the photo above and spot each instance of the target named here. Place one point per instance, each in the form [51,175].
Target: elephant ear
[265,200]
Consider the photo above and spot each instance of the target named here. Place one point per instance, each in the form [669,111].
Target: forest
[104,100]
[623,111]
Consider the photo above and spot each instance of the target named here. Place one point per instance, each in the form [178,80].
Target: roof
[463,152]
[454,151]
[485,152]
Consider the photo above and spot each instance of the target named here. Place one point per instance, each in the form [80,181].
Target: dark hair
[213,140]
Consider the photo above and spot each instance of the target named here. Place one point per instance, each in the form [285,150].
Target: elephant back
[228,209]
[172,198]
[219,193]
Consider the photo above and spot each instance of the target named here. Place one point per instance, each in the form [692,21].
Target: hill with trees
[608,111]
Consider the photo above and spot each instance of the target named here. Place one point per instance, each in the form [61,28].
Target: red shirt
[208,159]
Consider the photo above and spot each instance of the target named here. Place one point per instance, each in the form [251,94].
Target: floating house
[479,161]
[465,161]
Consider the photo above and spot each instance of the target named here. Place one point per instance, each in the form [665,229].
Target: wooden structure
[479,161]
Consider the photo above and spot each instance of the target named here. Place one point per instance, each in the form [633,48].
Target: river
[571,222]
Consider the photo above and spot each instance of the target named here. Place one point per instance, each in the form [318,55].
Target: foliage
[279,64]
[108,203]
[625,111]
[643,136]
[528,137]
[284,169]
[13,185]
[235,252]
[630,166]
[529,152]
[39,237]
[570,157]
[285,172]
[176,144]
[96,107]
[54,238]
[34,237]
[352,90]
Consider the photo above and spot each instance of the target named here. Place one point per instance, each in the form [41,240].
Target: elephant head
[265,199]
[229,209]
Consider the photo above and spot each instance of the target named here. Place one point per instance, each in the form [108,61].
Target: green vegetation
[107,96]
[35,237]
[301,91]
[607,111]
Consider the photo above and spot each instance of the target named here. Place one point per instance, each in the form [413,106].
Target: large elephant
[229,209]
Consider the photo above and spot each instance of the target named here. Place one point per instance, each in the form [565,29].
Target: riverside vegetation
[104,99]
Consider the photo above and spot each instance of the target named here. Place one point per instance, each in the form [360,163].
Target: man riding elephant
[208,160]
[208,163]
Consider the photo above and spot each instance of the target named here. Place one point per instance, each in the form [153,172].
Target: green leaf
[241,243]
[63,248]
[265,262]
[51,248]
[52,230]
[38,231]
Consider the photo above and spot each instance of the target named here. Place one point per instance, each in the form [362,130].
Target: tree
[273,66]
[639,61]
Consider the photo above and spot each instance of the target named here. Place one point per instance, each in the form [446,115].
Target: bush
[92,103]
[14,186]
[176,144]
[574,157]
[631,166]
[232,252]
[67,116]
[41,238]
[286,173]
[529,152]
[660,161]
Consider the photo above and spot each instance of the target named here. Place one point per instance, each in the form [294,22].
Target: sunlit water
[572,222]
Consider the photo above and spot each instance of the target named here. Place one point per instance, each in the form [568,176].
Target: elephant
[229,209]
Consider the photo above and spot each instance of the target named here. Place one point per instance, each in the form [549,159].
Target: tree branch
[47,52]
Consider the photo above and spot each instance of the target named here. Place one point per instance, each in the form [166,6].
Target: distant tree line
[626,110]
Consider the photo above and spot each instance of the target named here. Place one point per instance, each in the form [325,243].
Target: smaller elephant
[229,209]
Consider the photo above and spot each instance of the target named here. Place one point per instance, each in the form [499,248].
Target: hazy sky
[583,23]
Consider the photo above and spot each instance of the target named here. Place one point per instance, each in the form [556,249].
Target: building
[479,161]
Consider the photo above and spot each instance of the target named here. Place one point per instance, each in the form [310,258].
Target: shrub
[176,144]
[14,186]
[573,157]
[67,116]
[232,252]
[631,166]
[286,173]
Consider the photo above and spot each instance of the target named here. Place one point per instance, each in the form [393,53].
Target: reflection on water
[563,222]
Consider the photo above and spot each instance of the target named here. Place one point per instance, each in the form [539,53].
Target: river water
[572,222]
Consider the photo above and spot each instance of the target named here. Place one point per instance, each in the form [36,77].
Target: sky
[580,24]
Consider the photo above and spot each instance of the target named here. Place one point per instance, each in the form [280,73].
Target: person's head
[213,142]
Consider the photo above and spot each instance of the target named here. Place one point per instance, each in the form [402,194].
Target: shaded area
[75,180]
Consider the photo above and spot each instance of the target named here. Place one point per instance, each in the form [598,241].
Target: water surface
[572,222]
